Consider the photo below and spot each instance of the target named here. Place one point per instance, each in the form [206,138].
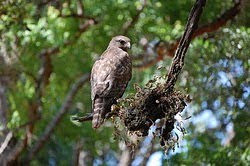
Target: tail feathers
[101,106]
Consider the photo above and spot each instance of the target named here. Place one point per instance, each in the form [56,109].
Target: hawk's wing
[110,74]
[99,74]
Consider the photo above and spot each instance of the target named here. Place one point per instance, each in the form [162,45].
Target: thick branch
[162,101]
[178,61]
[58,117]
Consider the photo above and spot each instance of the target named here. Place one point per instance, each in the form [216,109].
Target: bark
[178,60]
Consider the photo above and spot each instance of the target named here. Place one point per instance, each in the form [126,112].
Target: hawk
[109,78]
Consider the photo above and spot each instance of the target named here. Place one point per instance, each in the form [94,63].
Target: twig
[58,117]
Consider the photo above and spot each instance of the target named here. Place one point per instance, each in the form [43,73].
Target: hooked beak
[128,45]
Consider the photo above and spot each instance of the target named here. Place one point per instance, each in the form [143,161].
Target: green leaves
[216,71]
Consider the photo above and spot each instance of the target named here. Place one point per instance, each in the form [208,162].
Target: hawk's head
[122,42]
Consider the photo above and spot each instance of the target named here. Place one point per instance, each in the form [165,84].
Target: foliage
[216,75]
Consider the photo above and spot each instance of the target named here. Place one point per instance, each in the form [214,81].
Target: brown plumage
[109,78]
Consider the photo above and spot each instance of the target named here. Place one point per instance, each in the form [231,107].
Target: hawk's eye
[122,41]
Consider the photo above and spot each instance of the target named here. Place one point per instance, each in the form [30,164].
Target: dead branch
[58,117]
[165,49]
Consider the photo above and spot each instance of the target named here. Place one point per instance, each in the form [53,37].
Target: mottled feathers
[109,78]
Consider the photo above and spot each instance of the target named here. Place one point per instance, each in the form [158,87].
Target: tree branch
[84,118]
[5,142]
[161,101]
[58,117]
[46,68]
[213,26]
[164,48]
[82,28]
[45,72]
[130,24]
[178,61]
[3,103]
[149,152]
[126,157]
[42,82]
[17,150]
[77,153]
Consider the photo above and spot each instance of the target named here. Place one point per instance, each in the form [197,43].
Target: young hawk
[109,78]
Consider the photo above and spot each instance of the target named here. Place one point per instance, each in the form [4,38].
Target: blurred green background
[216,75]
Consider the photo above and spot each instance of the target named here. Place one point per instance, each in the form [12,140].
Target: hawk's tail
[101,106]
